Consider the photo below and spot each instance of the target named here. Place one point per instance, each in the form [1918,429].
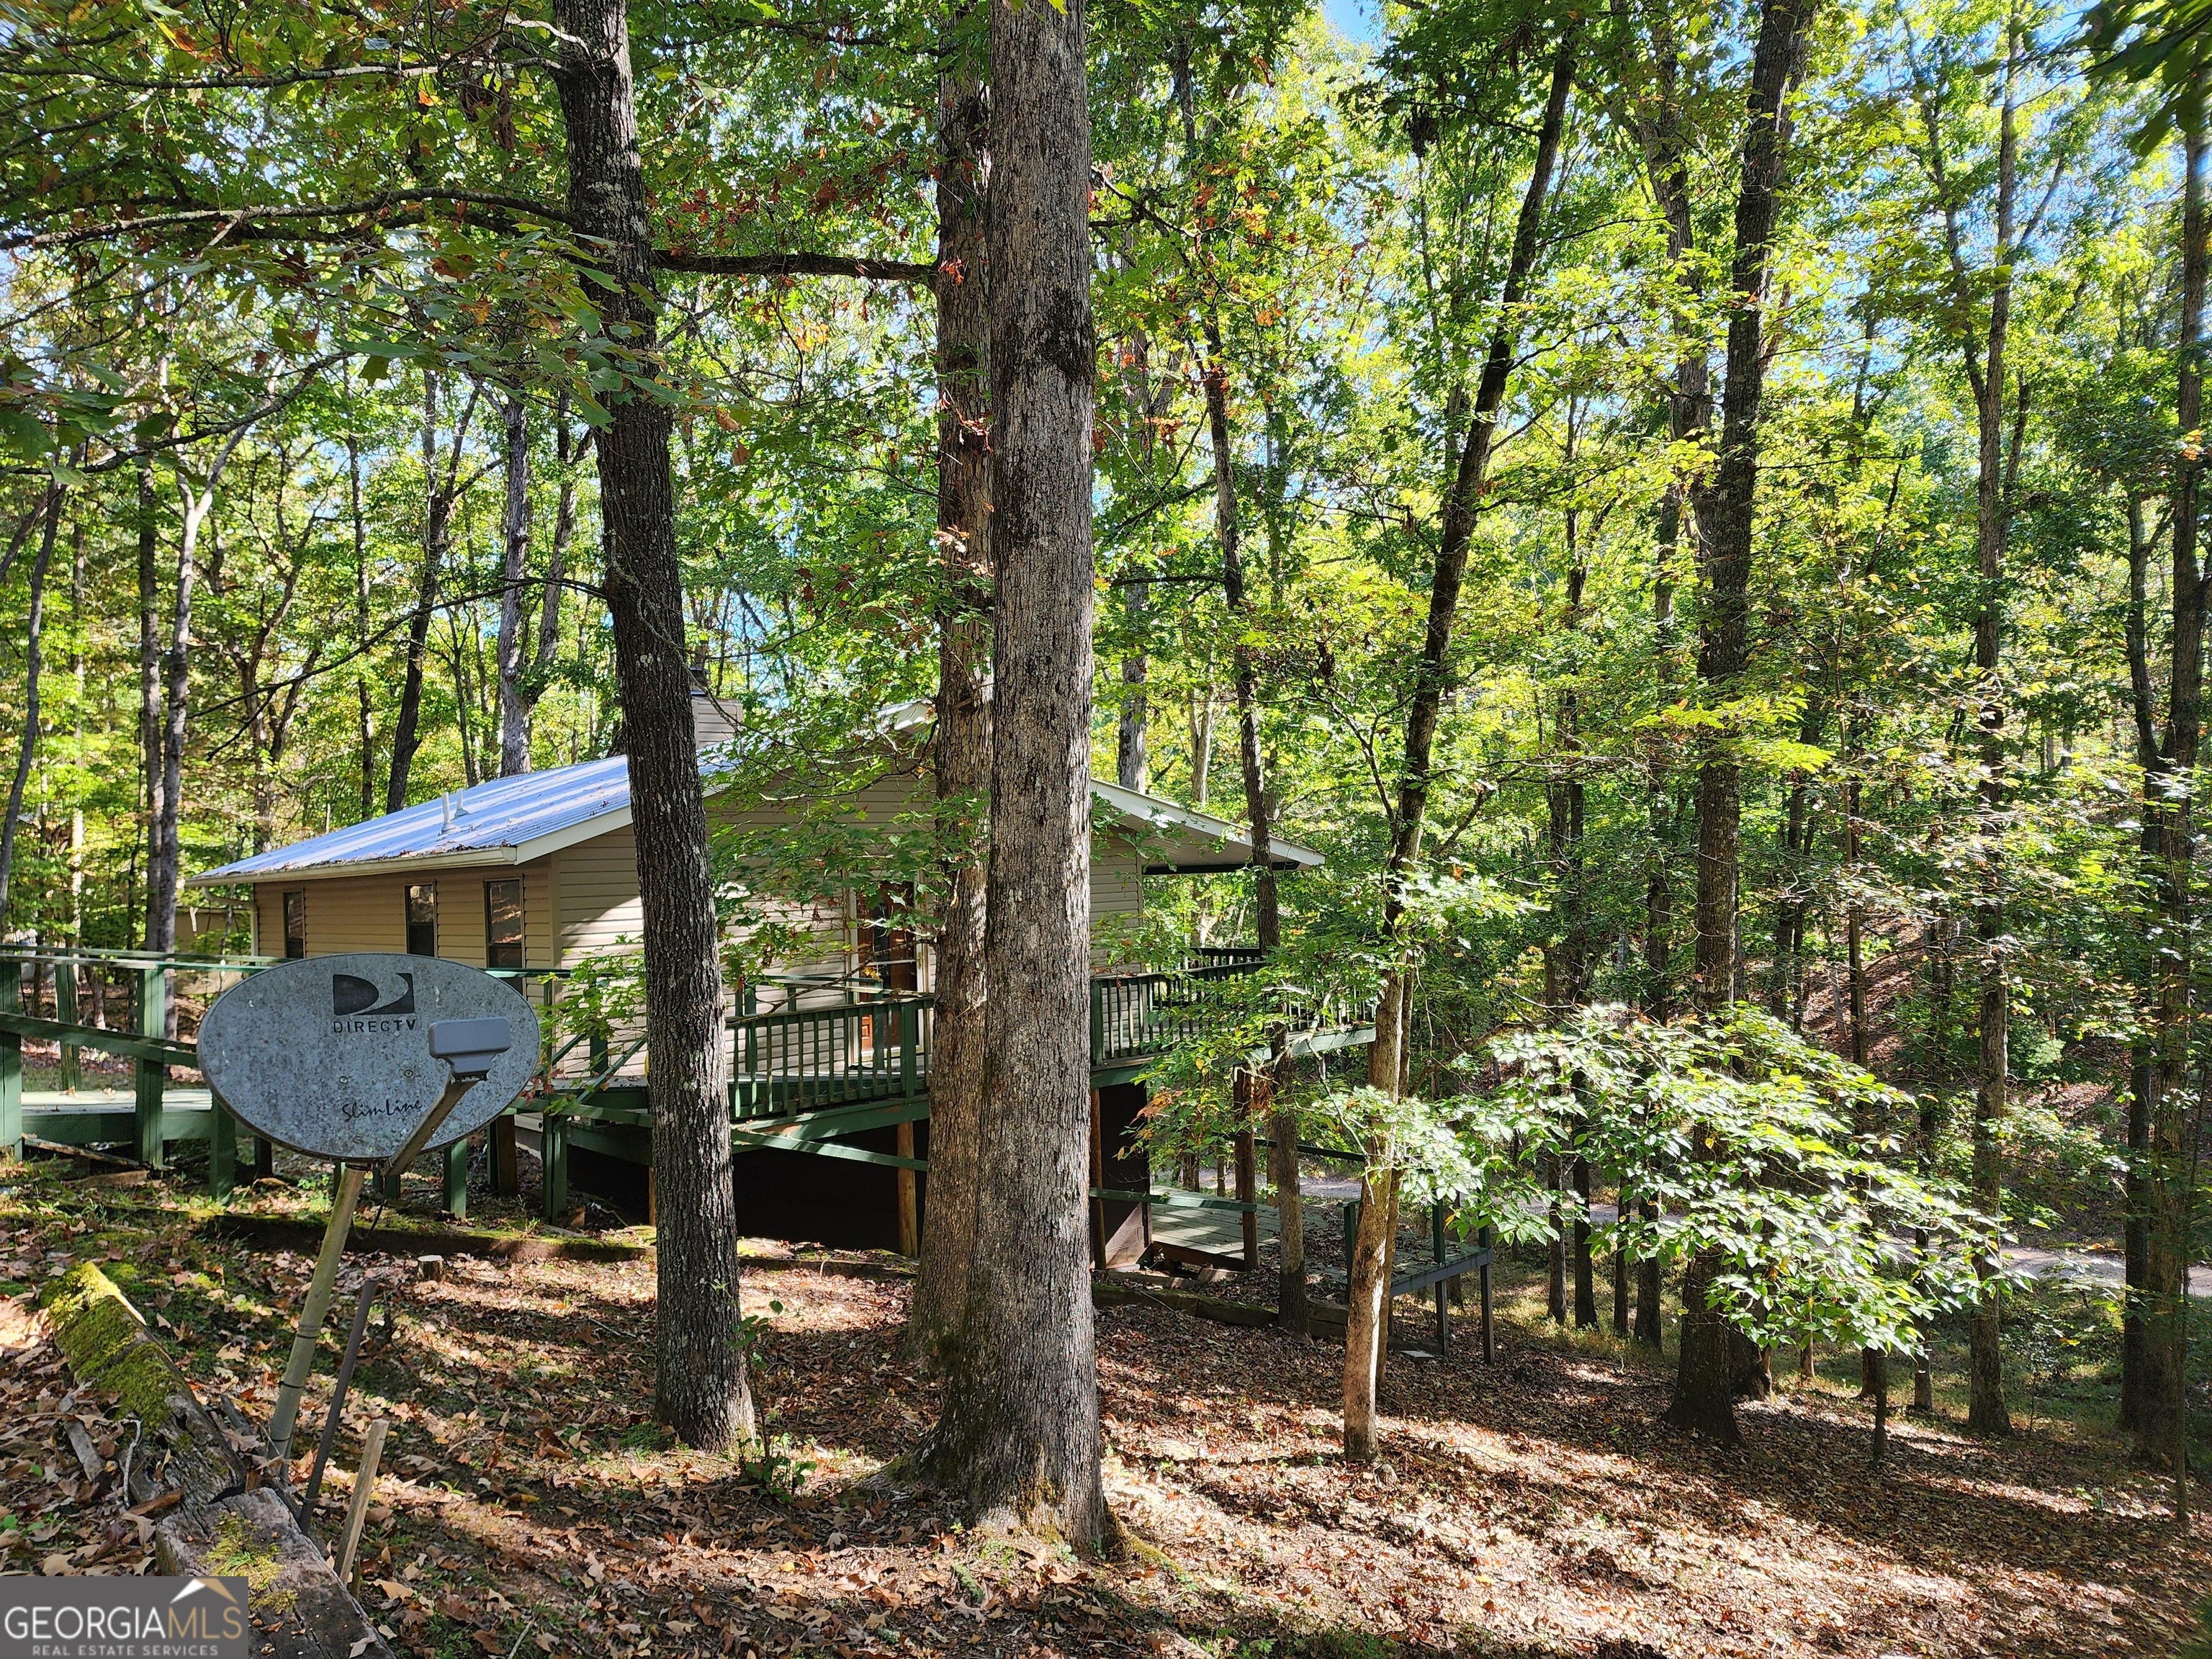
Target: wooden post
[506,1165]
[553,1166]
[223,1148]
[364,1483]
[1097,1179]
[11,1063]
[1489,1330]
[150,1076]
[65,1009]
[1390,1279]
[1248,1173]
[1444,1309]
[264,1156]
[1619,1262]
[456,1178]
[910,1208]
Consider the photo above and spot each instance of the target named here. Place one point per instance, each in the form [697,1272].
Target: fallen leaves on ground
[1532,1506]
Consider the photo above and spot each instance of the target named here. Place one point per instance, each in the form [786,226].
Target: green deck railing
[797,1060]
[786,1066]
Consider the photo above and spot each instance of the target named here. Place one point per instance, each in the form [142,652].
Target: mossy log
[109,1348]
[298,1608]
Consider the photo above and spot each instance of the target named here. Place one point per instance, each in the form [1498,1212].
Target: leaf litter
[1531,1507]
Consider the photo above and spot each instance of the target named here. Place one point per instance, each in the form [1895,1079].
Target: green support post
[65,1009]
[152,1077]
[1443,1289]
[264,1156]
[223,1149]
[1489,1238]
[1097,1022]
[553,1165]
[456,1178]
[11,1063]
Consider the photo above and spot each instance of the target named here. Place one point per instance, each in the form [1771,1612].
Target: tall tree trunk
[1986,1413]
[35,626]
[1689,413]
[1571,897]
[2162,1415]
[2142,1052]
[702,1391]
[437,537]
[1362,1350]
[1664,136]
[566,450]
[515,541]
[1228,523]
[165,875]
[164,872]
[1783,27]
[150,681]
[1131,764]
[365,732]
[963,709]
[408,720]
[1020,1430]
[1932,1096]
[1201,744]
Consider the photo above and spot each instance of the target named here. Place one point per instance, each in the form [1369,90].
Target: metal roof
[514,820]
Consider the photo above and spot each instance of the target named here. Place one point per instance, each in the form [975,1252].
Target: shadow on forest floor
[1535,1507]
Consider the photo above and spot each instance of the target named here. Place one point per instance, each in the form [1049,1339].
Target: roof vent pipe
[448,801]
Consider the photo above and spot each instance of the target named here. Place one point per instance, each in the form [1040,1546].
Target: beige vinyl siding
[595,902]
[540,948]
[1117,877]
[369,913]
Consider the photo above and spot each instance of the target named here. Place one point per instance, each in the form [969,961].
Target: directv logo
[354,1006]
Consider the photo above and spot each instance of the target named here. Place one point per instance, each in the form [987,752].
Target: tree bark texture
[1432,671]
[1364,1330]
[1385,1061]
[1020,1428]
[440,495]
[35,626]
[1986,1412]
[149,696]
[2168,1168]
[963,712]
[1703,1394]
[514,543]
[1665,138]
[702,1391]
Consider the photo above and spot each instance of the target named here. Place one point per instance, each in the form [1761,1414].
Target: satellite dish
[332,1056]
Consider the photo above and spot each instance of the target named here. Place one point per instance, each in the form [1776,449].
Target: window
[423,919]
[503,923]
[295,924]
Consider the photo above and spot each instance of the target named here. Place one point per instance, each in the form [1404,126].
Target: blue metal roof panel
[503,812]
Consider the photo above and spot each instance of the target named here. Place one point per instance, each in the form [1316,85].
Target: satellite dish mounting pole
[469,1047]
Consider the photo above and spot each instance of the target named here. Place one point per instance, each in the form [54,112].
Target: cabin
[536,876]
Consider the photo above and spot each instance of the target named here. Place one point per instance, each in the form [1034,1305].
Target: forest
[1661,537]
